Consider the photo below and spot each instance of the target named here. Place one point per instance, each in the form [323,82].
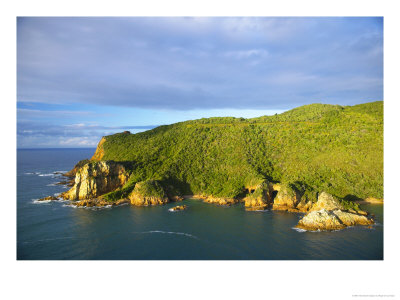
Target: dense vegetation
[313,148]
[150,188]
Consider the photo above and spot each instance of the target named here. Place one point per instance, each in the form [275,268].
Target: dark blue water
[204,231]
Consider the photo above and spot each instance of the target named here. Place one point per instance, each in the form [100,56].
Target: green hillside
[338,149]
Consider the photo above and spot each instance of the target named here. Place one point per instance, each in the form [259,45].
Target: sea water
[55,230]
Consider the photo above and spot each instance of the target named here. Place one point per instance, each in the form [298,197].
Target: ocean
[57,231]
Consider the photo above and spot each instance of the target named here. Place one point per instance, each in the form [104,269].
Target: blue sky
[81,78]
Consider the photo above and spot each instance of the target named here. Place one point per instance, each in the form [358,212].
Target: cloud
[244,54]
[78,141]
[199,63]
[40,134]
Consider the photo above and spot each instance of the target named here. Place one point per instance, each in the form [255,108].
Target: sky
[81,78]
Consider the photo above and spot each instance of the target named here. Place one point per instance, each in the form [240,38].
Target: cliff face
[288,199]
[95,179]
[80,164]
[98,155]
[260,198]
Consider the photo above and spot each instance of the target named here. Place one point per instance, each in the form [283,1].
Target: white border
[201,279]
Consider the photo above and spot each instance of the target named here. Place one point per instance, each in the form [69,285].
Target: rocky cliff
[97,178]
[98,155]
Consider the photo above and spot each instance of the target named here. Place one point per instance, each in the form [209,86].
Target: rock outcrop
[332,220]
[289,199]
[77,167]
[304,205]
[97,178]
[98,202]
[286,198]
[328,213]
[178,208]
[149,192]
[220,200]
[260,198]
[48,198]
[326,201]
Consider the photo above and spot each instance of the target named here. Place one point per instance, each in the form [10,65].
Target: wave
[299,229]
[85,207]
[69,205]
[169,232]
[49,174]
[36,201]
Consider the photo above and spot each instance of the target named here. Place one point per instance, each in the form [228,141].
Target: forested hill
[313,148]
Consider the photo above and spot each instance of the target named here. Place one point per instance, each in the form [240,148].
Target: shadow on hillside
[352,198]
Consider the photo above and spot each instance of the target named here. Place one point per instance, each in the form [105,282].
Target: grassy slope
[316,147]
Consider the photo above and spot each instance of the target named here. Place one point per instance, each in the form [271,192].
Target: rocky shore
[94,179]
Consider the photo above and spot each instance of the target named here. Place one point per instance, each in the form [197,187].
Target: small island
[317,160]
[178,208]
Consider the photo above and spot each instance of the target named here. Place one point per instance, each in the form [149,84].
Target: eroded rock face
[95,179]
[98,155]
[220,201]
[255,203]
[326,201]
[351,219]
[148,192]
[332,220]
[77,167]
[320,220]
[287,199]
[260,198]
[304,205]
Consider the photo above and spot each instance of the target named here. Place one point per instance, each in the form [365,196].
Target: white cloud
[244,54]
[79,141]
